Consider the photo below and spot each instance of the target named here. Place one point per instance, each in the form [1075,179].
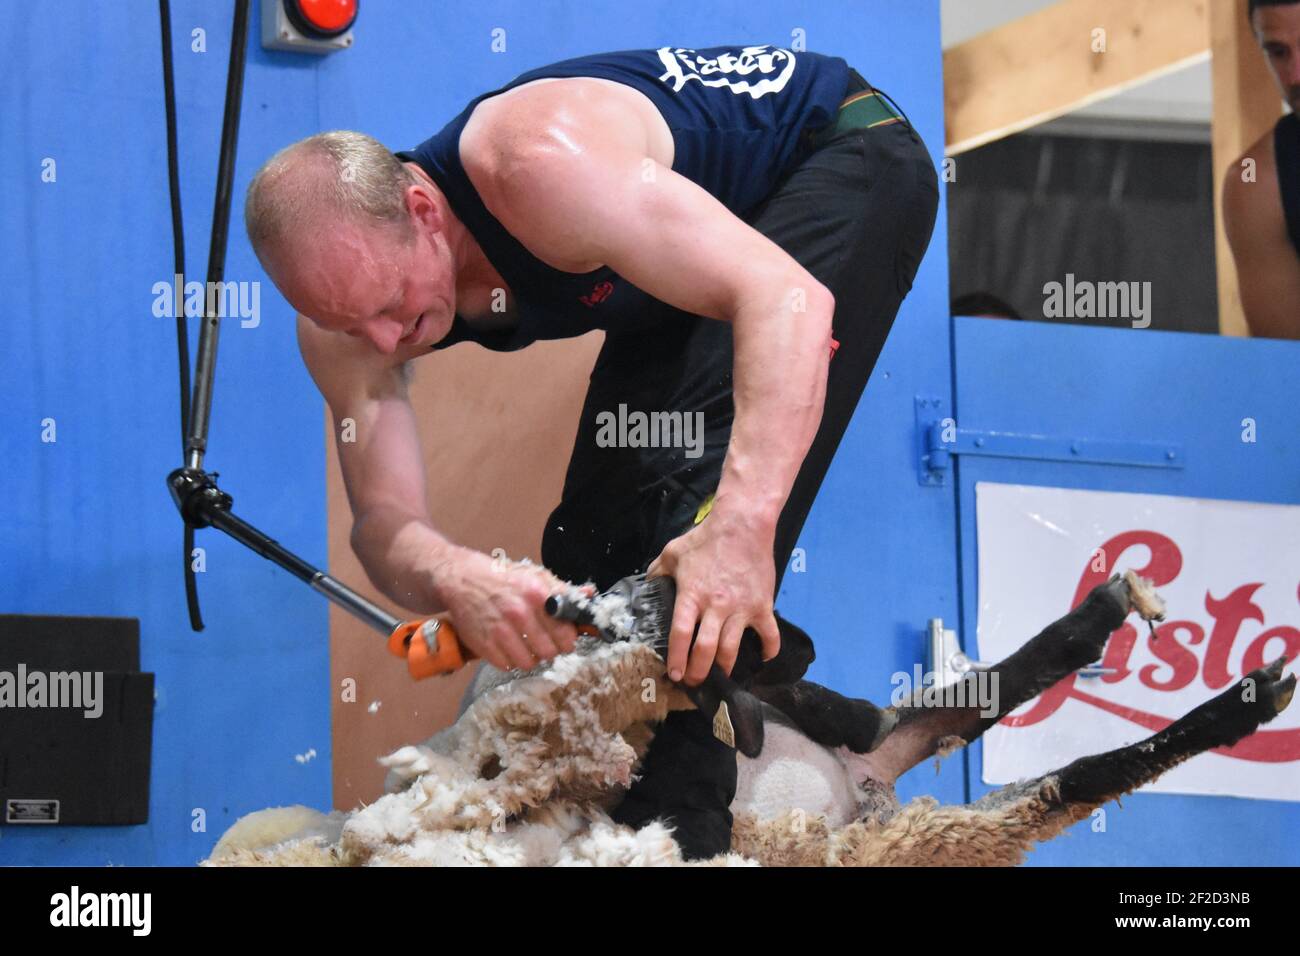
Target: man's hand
[725,582]
[498,608]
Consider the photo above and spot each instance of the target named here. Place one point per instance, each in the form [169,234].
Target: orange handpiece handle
[430,647]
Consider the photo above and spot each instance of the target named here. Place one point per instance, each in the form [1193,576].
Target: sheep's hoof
[1142,596]
[1255,699]
[1273,691]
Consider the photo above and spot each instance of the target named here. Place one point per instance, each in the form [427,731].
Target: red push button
[321,18]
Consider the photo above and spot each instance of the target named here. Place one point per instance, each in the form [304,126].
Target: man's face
[1278,32]
[372,283]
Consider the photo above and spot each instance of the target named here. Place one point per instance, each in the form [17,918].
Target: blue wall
[86,524]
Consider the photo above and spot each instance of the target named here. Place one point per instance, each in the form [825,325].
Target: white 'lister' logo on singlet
[756,70]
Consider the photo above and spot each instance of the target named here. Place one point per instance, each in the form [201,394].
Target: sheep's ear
[737,715]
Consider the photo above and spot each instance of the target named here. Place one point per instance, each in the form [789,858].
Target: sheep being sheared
[528,772]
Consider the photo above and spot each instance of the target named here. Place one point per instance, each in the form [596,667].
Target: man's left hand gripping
[726,580]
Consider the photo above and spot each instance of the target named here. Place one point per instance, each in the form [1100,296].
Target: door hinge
[939,438]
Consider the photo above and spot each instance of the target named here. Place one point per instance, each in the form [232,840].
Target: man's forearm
[402,555]
[782,349]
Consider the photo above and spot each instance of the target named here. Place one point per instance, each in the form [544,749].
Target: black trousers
[857,213]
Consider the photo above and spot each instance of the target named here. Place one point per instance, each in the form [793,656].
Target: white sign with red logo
[1229,572]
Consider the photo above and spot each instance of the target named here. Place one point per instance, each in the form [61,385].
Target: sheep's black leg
[905,736]
[1220,722]
[828,718]
[1061,648]
[1002,826]
[824,716]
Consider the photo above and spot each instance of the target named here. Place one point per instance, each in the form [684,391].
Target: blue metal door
[1091,408]
[878,555]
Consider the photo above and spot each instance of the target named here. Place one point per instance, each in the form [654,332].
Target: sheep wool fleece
[526,777]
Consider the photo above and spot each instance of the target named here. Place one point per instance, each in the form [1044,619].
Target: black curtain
[1026,210]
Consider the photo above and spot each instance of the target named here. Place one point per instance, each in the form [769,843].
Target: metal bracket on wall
[939,438]
[946,663]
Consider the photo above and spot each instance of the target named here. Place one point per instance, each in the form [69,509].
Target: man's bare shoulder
[1268,271]
[511,124]
[545,139]
[1256,167]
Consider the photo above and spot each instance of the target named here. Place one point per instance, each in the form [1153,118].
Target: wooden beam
[1246,105]
[1042,66]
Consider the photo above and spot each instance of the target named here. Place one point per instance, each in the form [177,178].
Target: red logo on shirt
[601,292]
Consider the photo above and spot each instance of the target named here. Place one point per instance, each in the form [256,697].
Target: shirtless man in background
[1262,217]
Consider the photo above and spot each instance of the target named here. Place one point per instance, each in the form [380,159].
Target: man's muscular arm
[382,467]
[579,190]
[1268,268]
[393,535]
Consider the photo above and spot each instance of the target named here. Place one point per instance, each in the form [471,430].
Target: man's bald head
[323,180]
[354,240]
